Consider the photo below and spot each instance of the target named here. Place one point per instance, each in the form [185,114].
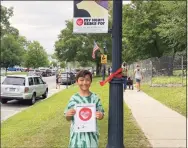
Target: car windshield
[14,81]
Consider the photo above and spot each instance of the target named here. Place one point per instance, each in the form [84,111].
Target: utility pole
[115,119]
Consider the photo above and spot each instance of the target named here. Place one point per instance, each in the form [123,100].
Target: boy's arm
[68,118]
[99,109]
[69,114]
[69,110]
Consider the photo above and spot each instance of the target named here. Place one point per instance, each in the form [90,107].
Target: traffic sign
[103,59]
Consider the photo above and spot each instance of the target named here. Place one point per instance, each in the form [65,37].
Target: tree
[11,51]
[140,38]
[6,14]
[62,65]
[36,56]
[172,28]
[54,64]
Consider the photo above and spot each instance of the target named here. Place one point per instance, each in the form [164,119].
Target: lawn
[43,125]
[168,80]
[173,97]
[17,73]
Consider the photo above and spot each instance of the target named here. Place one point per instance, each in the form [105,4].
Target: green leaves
[173,25]
[153,29]
[15,49]
[36,56]
[11,51]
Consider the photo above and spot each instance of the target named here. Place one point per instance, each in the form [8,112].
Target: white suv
[20,87]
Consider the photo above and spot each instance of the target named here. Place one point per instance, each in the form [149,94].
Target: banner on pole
[90,16]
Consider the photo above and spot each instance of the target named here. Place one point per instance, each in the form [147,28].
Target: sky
[41,20]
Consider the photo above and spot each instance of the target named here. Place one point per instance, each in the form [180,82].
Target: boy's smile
[84,83]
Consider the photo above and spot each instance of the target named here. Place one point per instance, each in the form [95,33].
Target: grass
[43,125]
[17,73]
[168,80]
[173,97]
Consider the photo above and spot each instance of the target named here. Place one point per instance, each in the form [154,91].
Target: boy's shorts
[138,80]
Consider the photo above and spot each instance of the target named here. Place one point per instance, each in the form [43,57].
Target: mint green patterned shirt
[83,139]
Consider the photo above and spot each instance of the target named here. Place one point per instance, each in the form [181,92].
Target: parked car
[54,72]
[47,73]
[20,87]
[67,78]
[35,72]
[75,71]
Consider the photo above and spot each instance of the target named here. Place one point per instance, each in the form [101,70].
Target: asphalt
[163,127]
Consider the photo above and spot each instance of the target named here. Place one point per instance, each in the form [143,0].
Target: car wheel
[3,101]
[45,94]
[32,100]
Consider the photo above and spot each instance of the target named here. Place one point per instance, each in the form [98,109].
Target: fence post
[182,70]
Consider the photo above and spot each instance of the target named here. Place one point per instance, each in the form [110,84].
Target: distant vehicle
[46,72]
[76,71]
[20,87]
[11,69]
[54,72]
[15,68]
[67,78]
[35,72]
[26,69]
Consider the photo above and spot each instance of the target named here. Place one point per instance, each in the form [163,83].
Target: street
[14,106]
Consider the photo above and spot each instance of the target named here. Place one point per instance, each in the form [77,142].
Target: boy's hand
[99,115]
[70,112]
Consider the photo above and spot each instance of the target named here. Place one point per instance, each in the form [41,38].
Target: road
[13,107]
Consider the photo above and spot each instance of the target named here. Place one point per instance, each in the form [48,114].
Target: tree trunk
[98,68]
[171,64]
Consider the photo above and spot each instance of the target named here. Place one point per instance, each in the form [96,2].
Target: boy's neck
[84,93]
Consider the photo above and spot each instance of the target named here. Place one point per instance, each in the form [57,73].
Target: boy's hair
[83,73]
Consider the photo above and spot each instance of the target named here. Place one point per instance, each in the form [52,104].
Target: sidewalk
[163,127]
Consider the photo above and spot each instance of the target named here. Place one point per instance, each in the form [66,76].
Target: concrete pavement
[163,127]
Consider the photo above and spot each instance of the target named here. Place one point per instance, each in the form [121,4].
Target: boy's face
[84,82]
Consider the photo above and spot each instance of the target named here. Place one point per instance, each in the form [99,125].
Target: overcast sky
[41,20]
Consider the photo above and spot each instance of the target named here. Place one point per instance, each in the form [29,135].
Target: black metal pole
[115,119]
[103,72]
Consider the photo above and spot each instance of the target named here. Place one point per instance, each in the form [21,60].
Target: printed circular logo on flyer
[79,22]
[85,114]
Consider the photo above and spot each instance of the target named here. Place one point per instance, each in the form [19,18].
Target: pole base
[108,146]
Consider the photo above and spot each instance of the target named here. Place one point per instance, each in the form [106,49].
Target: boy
[83,139]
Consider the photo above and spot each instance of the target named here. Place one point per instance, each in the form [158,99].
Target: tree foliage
[153,29]
[172,28]
[16,49]
[11,51]
[36,56]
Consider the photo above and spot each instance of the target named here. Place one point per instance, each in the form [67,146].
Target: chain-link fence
[164,71]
